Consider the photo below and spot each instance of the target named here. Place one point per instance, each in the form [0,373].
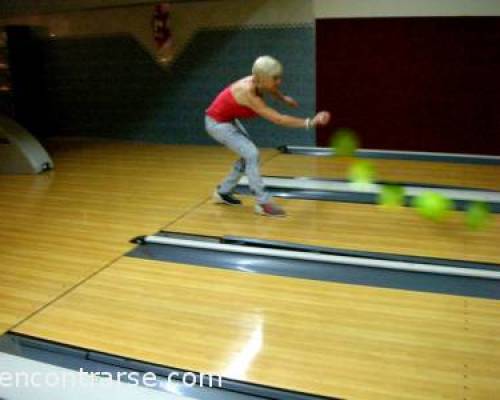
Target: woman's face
[270,83]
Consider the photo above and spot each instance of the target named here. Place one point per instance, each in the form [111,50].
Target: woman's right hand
[322,118]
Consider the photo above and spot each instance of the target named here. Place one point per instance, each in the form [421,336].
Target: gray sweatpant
[234,136]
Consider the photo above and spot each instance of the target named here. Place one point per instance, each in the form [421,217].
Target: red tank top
[225,108]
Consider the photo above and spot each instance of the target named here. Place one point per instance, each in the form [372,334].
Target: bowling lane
[316,337]
[58,228]
[350,226]
[436,173]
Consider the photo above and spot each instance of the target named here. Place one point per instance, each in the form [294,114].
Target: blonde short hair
[267,66]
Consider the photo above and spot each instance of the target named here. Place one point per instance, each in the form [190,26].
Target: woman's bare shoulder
[245,83]
[243,89]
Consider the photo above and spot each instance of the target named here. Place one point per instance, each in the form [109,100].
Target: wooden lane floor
[350,226]
[59,228]
[437,173]
[324,338]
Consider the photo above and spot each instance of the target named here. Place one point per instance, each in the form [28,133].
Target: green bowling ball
[478,215]
[344,143]
[432,205]
[391,196]
[361,172]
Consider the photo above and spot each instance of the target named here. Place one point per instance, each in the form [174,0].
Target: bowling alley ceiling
[29,7]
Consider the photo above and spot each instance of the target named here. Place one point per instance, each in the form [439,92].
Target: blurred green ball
[391,196]
[362,172]
[344,143]
[433,206]
[478,214]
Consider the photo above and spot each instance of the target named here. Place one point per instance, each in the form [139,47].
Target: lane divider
[325,258]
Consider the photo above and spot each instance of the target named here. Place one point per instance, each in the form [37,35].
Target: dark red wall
[427,84]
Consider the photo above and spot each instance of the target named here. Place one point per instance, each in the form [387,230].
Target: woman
[244,99]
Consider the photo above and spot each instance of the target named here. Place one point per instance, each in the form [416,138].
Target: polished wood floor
[350,226]
[59,228]
[437,173]
[64,278]
[359,226]
[317,337]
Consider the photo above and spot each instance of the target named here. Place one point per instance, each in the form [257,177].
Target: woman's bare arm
[261,108]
